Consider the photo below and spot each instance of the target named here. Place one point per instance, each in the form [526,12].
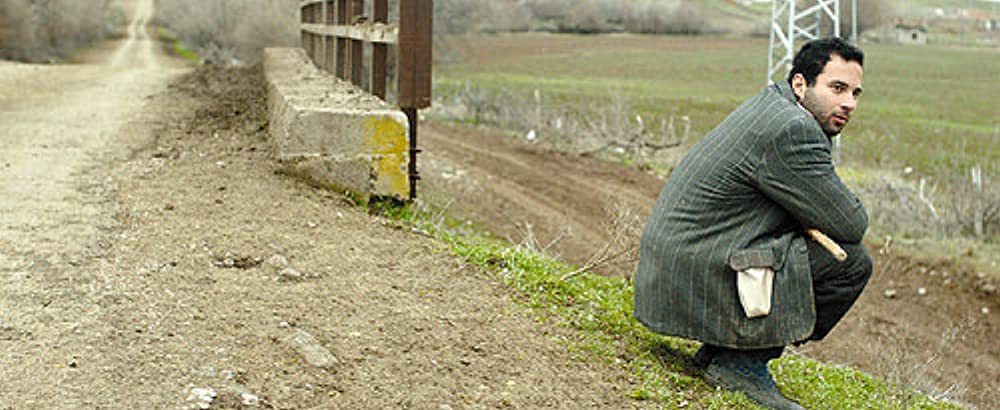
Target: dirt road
[60,123]
[151,257]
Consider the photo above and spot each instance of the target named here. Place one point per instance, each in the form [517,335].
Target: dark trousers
[836,286]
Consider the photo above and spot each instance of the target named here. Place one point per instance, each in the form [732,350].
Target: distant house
[911,34]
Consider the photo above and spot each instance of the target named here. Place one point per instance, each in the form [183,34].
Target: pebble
[276,263]
[986,310]
[202,396]
[249,399]
[291,274]
[310,349]
[922,291]
[889,293]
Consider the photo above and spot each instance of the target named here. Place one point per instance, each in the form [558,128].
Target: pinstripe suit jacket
[739,199]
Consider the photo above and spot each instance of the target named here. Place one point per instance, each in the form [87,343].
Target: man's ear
[799,85]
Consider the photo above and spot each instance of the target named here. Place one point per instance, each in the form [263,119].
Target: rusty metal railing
[335,33]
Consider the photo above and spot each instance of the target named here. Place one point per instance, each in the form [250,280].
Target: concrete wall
[333,133]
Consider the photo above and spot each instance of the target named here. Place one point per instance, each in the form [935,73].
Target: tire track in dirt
[501,184]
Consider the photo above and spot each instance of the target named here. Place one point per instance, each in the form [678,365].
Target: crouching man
[725,258]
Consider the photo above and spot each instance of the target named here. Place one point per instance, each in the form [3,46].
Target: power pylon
[791,23]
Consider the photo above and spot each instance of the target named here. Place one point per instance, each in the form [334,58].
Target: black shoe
[746,373]
[703,357]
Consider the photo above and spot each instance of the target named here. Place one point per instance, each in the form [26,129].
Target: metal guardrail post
[380,52]
[335,36]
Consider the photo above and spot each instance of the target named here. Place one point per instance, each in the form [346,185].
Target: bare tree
[46,30]
[15,28]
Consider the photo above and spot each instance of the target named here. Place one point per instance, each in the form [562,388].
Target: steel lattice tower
[790,24]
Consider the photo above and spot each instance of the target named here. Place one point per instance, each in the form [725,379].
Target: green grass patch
[177,45]
[597,311]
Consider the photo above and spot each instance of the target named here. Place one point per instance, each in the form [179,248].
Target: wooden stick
[828,244]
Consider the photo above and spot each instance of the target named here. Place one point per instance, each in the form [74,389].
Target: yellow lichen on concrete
[391,176]
[386,135]
[387,139]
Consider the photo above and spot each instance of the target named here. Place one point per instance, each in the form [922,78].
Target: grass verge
[176,45]
[597,311]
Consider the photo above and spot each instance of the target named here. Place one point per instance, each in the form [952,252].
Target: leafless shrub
[585,18]
[659,17]
[458,16]
[46,30]
[907,372]
[15,28]
[607,126]
[531,243]
[231,31]
[975,206]
[614,128]
[946,206]
[870,14]
[601,16]
[623,227]
[548,9]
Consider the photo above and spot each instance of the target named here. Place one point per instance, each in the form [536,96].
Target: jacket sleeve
[797,173]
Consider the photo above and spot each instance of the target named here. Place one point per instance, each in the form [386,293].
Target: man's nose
[849,103]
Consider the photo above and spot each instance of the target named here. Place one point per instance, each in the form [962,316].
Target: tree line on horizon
[51,30]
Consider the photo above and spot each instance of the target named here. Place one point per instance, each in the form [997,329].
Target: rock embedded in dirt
[290,274]
[311,350]
[202,397]
[249,399]
[276,263]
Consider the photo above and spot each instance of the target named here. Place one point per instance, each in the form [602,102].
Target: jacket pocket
[754,280]
[754,258]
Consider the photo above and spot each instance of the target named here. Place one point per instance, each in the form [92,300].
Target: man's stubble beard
[811,104]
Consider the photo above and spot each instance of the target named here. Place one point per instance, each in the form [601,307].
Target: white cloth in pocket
[755,287]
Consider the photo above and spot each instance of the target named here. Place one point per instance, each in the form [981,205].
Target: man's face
[834,97]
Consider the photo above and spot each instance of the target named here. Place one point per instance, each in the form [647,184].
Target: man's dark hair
[813,56]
